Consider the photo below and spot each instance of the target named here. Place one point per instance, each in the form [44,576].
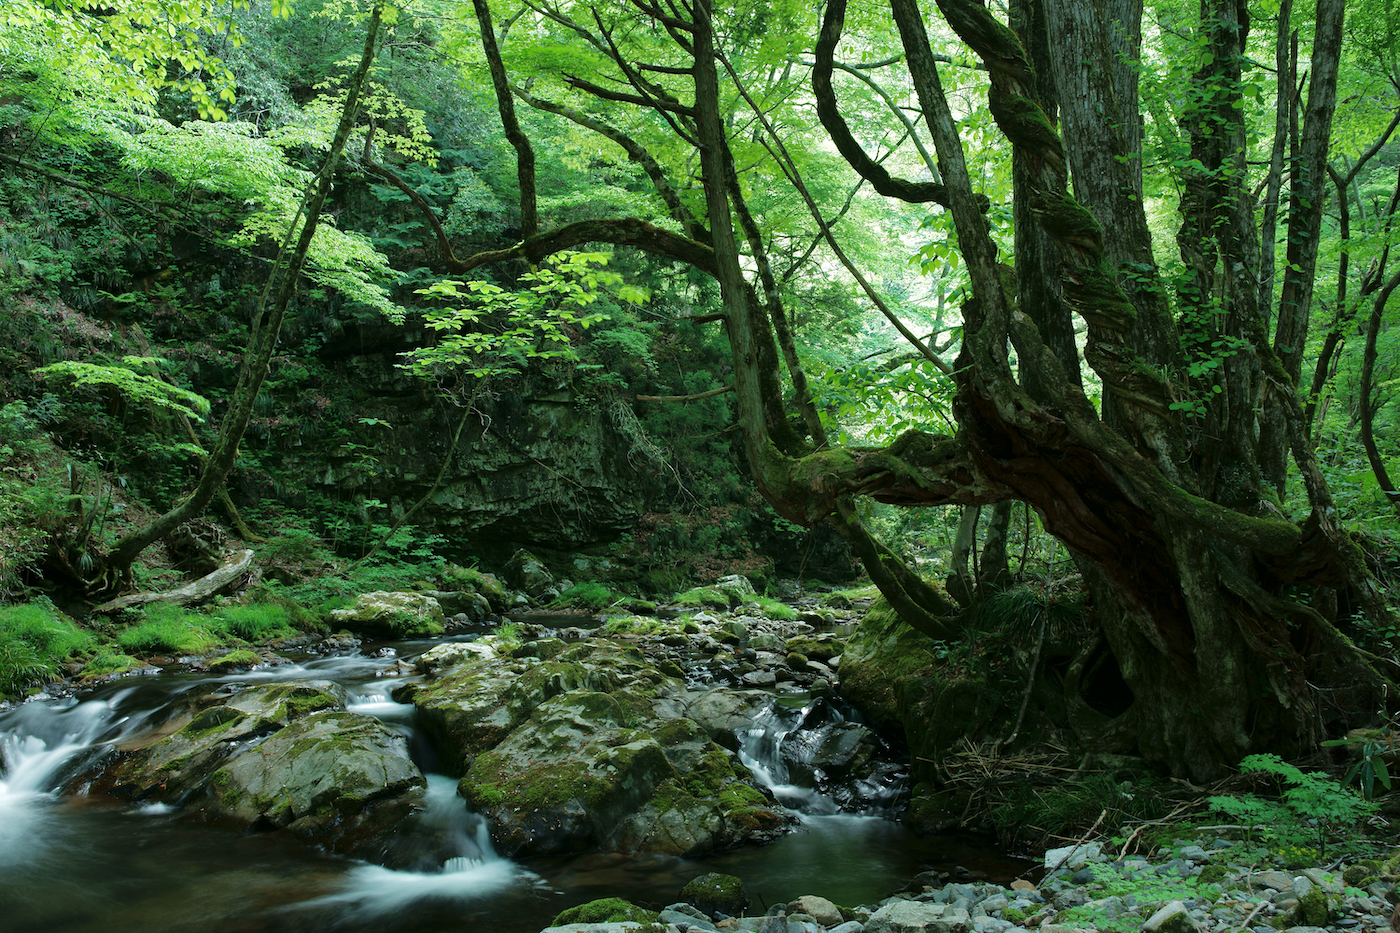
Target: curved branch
[831,119]
[624,231]
[525,155]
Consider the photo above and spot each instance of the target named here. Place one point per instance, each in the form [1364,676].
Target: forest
[1033,364]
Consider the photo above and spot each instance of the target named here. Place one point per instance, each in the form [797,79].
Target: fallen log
[206,586]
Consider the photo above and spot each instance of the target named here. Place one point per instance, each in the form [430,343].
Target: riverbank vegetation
[1075,337]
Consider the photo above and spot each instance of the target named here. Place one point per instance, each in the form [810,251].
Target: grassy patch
[633,625]
[703,597]
[772,608]
[168,630]
[256,623]
[591,595]
[34,640]
[108,661]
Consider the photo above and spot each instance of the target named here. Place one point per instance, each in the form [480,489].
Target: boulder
[917,917]
[714,893]
[279,757]
[527,573]
[391,615]
[335,778]
[726,714]
[818,908]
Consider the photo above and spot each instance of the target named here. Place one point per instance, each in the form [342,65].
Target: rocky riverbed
[1210,886]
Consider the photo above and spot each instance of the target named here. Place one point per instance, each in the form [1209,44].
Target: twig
[1087,833]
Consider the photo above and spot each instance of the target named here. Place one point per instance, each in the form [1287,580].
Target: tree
[1140,449]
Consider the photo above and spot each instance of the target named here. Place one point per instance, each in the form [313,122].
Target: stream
[78,862]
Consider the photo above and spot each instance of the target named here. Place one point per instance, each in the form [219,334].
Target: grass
[256,623]
[108,661]
[591,595]
[772,608]
[34,640]
[168,630]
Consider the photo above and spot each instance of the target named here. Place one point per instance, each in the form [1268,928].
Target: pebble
[981,908]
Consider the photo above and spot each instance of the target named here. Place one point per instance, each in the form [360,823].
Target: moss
[1013,915]
[241,657]
[1212,874]
[740,796]
[716,893]
[605,910]
[1312,909]
[211,720]
[634,625]
[704,597]
[815,648]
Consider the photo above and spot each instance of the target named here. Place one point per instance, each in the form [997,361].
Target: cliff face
[538,464]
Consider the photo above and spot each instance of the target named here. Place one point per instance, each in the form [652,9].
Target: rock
[1021,884]
[765,641]
[1275,879]
[915,917]
[735,628]
[607,910]
[759,679]
[851,926]
[1073,858]
[280,757]
[391,615]
[442,657]
[818,908]
[335,778]
[724,714]
[1172,917]
[735,583]
[689,915]
[527,573]
[715,893]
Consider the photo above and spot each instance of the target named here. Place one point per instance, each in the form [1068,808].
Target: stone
[759,679]
[1021,884]
[678,917]
[915,917]
[818,908]
[1274,879]
[442,657]
[850,926]
[714,893]
[1172,917]
[527,573]
[1073,857]
[737,583]
[391,615]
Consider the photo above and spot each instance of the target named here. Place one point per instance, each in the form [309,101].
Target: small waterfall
[762,748]
[41,745]
[818,762]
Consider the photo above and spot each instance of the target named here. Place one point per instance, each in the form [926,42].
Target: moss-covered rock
[816,647]
[715,893]
[391,615]
[605,910]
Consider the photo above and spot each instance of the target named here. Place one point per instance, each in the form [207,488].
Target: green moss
[606,910]
[704,597]
[633,625]
[1013,915]
[212,720]
[1313,909]
[1212,874]
[816,648]
[772,608]
[238,658]
[740,796]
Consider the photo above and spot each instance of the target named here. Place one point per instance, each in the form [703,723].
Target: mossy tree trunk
[1203,592]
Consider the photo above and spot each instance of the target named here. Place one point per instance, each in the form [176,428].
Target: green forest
[1034,364]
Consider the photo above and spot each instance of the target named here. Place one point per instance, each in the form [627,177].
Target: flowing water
[75,862]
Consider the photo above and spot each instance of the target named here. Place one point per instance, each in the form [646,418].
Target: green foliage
[1151,889]
[34,640]
[256,623]
[109,661]
[1312,803]
[136,386]
[168,630]
[499,332]
[590,595]
[1370,767]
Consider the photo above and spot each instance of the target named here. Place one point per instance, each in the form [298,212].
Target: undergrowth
[34,640]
